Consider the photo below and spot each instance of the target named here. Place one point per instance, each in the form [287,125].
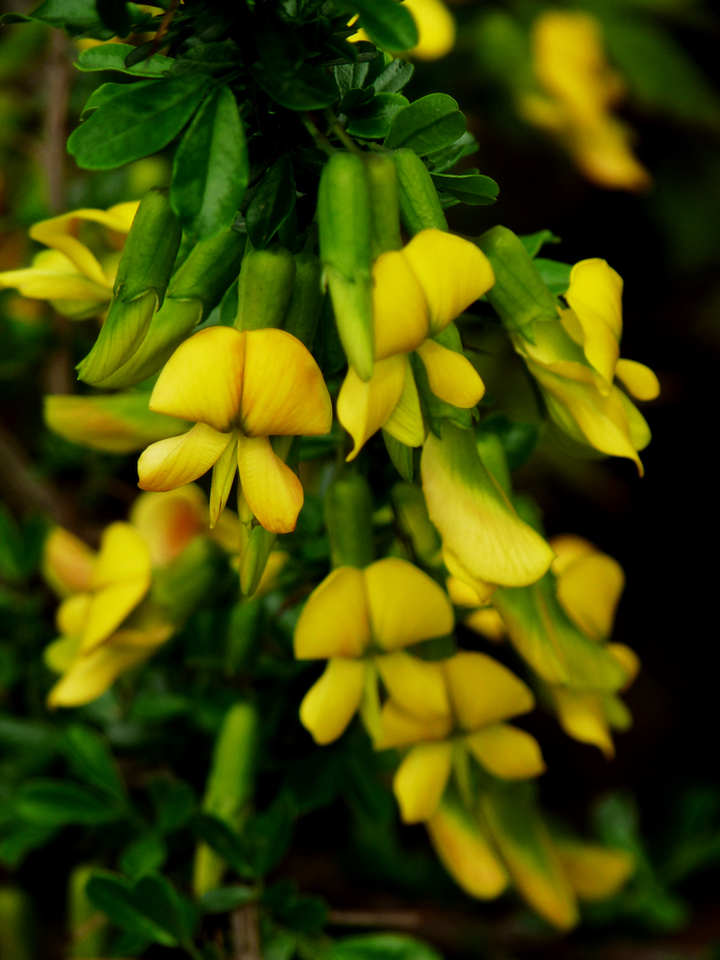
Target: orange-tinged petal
[400,729]
[172,463]
[400,310]
[335,621]
[67,562]
[273,492]
[582,717]
[453,273]
[406,421]
[406,605]
[365,406]
[420,780]
[72,614]
[639,380]
[595,872]
[451,375]
[90,676]
[109,607]
[416,686]
[204,379]
[123,555]
[466,852]
[507,752]
[590,589]
[483,691]
[284,393]
[329,705]
[628,660]
[169,521]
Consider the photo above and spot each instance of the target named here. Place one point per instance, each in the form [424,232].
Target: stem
[245,933]
[339,131]
[321,141]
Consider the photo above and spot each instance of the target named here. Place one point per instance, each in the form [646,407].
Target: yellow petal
[329,705]
[640,435]
[463,595]
[595,872]
[639,380]
[334,622]
[628,660]
[273,492]
[451,375]
[172,463]
[488,623]
[45,284]
[400,729]
[67,562]
[466,853]
[436,28]
[72,614]
[123,555]
[595,296]
[474,517]
[406,605]
[60,655]
[483,691]
[284,393]
[169,521]
[415,686]
[365,406]
[400,310]
[108,608]
[507,752]
[420,780]
[590,589]
[568,548]
[582,717]
[406,421]
[58,233]
[452,272]
[204,379]
[90,676]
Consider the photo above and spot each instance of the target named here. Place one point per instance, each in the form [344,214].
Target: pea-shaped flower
[240,389]
[356,618]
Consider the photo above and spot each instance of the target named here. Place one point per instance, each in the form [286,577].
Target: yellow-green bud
[265,288]
[15,926]
[412,516]
[420,206]
[348,509]
[384,203]
[87,925]
[345,228]
[519,295]
[303,312]
[139,289]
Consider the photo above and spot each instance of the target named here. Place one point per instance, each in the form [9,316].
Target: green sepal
[303,311]
[348,509]
[519,295]
[420,206]
[401,455]
[265,288]
[384,203]
[256,544]
[412,516]
[345,230]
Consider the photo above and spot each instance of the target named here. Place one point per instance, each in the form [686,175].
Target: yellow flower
[69,275]
[418,292]
[575,361]
[440,708]
[435,25]
[357,618]
[579,88]
[239,388]
[595,872]
[481,616]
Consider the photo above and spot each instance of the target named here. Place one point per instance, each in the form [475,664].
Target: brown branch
[55,126]
[245,933]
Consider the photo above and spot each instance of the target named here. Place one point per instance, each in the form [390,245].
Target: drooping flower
[575,361]
[358,619]
[578,89]
[418,292]
[439,708]
[240,389]
[69,275]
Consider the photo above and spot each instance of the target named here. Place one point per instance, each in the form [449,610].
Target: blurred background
[617,152]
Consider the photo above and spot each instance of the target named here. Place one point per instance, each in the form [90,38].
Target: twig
[22,490]
[53,148]
[245,933]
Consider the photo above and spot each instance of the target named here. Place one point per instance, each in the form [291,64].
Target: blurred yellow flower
[435,26]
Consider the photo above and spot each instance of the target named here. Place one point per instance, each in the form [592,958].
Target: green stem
[321,141]
[339,131]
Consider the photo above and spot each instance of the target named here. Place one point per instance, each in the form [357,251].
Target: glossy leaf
[373,121]
[427,125]
[59,802]
[303,88]
[225,899]
[534,242]
[111,56]
[388,24]
[468,188]
[555,274]
[382,946]
[92,760]
[272,204]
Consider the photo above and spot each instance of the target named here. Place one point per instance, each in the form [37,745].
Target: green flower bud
[345,222]
[139,289]
[196,288]
[412,516]
[87,926]
[15,924]
[265,288]
[229,789]
[519,295]
[384,202]
[420,206]
[348,509]
[303,312]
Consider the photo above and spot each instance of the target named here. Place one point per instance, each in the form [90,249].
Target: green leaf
[470,188]
[134,909]
[218,835]
[518,439]
[272,203]
[143,855]
[142,121]
[210,172]
[394,77]
[382,946]
[388,24]
[351,76]
[92,760]
[173,801]
[301,88]
[427,125]
[268,835]
[372,122]
[108,91]
[224,899]
[59,802]
[21,839]
[555,274]
[111,56]
[115,15]
[210,58]
[444,160]
[76,16]
[533,242]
